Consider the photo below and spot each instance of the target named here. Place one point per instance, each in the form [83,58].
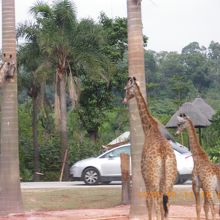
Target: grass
[85,198]
[60,199]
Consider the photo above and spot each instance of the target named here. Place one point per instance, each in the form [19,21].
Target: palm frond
[41,10]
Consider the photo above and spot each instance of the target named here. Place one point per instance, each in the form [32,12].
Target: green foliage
[25,142]
[48,142]
[50,157]
[96,53]
[210,138]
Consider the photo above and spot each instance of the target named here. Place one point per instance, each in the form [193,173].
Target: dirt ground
[117,213]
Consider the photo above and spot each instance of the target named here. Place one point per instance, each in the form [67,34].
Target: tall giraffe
[206,175]
[158,163]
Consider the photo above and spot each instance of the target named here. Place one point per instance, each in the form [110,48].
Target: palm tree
[33,75]
[136,68]
[57,24]
[70,46]
[10,193]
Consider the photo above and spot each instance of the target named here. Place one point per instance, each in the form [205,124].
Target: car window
[181,149]
[117,152]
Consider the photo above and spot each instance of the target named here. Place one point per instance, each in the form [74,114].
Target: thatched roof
[206,109]
[198,118]
[125,138]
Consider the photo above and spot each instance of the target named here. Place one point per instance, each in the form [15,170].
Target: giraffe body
[205,175]
[158,162]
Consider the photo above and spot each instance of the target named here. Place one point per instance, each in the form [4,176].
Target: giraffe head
[183,122]
[7,68]
[130,89]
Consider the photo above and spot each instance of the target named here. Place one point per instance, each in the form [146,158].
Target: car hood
[88,160]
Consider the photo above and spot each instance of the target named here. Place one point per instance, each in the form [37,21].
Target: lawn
[85,198]
[60,199]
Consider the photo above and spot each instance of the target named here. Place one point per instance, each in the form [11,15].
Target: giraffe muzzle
[125,101]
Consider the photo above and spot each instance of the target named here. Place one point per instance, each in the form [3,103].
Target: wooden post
[125,177]
[200,136]
[63,165]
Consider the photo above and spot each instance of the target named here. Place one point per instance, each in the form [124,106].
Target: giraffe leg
[218,195]
[162,213]
[158,205]
[206,207]
[209,197]
[149,202]
[196,191]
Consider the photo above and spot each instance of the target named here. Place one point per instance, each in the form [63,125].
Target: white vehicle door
[111,163]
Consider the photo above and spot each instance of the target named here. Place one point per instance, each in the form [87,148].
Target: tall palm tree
[57,23]
[70,46]
[136,68]
[33,74]
[10,192]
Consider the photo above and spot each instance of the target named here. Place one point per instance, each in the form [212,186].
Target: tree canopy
[92,58]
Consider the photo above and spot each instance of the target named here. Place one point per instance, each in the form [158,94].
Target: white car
[106,167]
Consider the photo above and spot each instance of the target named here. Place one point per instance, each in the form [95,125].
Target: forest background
[90,59]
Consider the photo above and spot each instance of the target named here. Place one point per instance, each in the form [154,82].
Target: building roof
[206,109]
[197,117]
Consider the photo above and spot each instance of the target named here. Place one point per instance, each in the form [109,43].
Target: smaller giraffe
[7,69]
[205,175]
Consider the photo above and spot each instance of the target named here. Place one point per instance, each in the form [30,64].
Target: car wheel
[91,176]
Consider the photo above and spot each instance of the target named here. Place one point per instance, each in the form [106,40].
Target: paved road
[49,185]
[45,185]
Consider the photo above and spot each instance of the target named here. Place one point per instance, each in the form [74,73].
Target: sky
[170,25]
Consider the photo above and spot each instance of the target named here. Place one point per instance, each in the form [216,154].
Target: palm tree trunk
[136,68]
[10,191]
[63,126]
[57,103]
[35,139]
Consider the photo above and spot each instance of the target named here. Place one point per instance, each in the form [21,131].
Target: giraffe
[205,175]
[7,68]
[158,162]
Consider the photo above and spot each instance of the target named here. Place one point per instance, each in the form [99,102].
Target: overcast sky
[169,24]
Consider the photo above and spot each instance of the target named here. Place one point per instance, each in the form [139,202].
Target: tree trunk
[125,178]
[57,103]
[93,134]
[35,140]
[136,68]
[63,126]
[10,191]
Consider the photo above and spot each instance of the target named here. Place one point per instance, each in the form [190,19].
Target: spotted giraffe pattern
[206,175]
[158,162]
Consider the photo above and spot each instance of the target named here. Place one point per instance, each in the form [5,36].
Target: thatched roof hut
[206,109]
[125,138]
[198,118]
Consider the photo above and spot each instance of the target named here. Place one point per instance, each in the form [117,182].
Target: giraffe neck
[147,120]
[195,146]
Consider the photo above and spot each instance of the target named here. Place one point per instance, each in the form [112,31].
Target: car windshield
[117,152]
